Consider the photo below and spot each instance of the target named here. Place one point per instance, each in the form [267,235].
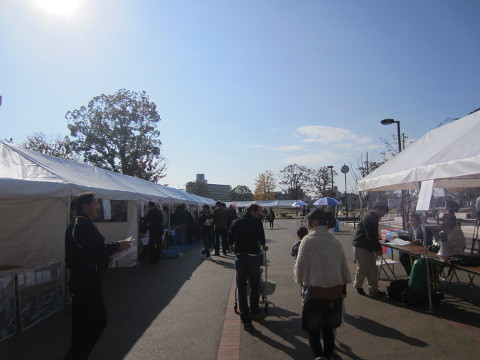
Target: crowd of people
[320,263]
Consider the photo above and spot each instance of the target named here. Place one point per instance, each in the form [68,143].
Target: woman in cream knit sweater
[321,268]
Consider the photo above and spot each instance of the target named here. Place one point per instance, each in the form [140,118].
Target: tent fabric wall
[34,192]
[30,230]
[449,155]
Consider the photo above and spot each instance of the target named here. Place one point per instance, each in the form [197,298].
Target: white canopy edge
[27,173]
[449,155]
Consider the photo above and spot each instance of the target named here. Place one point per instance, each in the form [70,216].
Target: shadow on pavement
[133,296]
[380,330]
[282,323]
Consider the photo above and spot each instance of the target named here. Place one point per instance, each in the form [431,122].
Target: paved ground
[178,309]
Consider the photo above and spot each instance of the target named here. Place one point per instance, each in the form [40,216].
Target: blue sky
[245,86]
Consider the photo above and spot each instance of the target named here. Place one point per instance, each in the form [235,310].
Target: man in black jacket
[154,220]
[86,257]
[247,236]
[366,248]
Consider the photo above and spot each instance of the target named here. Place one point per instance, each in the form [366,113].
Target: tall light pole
[399,140]
[345,169]
[331,169]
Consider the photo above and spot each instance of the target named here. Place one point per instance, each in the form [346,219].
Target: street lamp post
[345,169]
[399,140]
[331,169]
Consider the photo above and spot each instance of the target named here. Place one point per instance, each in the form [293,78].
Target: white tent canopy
[449,155]
[26,173]
[263,203]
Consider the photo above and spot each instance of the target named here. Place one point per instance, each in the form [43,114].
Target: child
[301,232]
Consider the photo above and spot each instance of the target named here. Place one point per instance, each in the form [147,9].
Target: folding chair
[386,263]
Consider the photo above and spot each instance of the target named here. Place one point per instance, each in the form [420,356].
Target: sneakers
[202,252]
[379,294]
[208,258]
[360,291]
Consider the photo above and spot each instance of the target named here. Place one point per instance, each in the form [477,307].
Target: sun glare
[59,7]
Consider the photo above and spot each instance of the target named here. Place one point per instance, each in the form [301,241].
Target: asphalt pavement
[177,310]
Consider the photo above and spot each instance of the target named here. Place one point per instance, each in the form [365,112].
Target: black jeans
[248,269]
[88,321]
[328,342]
[223,233]
[207,239]
[154,248]
[406,262]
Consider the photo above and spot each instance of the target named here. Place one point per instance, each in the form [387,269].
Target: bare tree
[56,145]
[321,182]
[294,178]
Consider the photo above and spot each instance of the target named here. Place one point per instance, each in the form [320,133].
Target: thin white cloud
[321,158]
[326,134]
[256,146]
[364,140]
[290,148]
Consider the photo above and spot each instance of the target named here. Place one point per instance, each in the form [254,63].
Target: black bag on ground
[465,260]
[396,288]
[319,313]
[414,298]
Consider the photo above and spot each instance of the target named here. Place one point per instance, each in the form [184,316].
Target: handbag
[321,313]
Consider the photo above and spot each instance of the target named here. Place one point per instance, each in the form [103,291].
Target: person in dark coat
[366,248]
[271,217]
[154,220]
[248,236]
[86,257]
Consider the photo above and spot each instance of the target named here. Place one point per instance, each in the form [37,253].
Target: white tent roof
[263,203]
[27,173]
[450,155]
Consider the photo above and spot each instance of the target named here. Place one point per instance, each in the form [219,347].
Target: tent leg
[429,282]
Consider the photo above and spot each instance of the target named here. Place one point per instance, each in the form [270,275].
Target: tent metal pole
[425,255]
[425,248]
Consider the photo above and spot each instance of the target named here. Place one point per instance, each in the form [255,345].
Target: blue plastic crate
[170,253]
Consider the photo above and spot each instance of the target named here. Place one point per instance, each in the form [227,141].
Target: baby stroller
[266,287]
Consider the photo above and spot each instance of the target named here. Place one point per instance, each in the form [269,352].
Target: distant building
[215,191]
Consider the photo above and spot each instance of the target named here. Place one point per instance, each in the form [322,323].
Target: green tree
[118,132]
[240,193]
[56,146]
[294,179]
[197,187]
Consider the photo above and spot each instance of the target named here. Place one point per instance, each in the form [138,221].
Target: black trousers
[223,233]
[155,247]
[406,262]
[88,321]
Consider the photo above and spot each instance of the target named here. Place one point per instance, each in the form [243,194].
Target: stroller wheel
[235,308]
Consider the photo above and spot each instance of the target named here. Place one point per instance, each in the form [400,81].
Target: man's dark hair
[449,218]
[206,207]
[252,208]
[324,218]
[381,206]
[83,199]
[151,204]
[416,216]
[302,231]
